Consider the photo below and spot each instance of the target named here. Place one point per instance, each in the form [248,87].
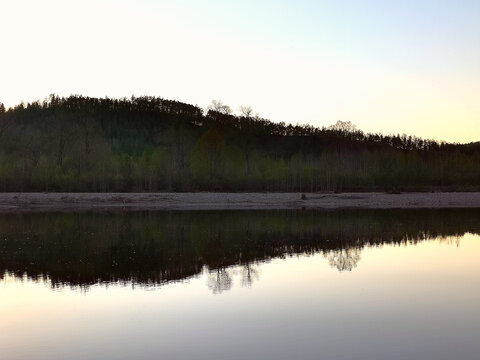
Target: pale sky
[407,66]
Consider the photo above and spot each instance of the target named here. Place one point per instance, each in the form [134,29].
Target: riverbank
[27,202]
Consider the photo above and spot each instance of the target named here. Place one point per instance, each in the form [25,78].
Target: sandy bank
[25,202]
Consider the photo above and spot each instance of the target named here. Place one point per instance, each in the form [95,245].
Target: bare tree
[219,106]
[343,126]
[246,111]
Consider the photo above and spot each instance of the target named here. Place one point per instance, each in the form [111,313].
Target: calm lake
[363,284]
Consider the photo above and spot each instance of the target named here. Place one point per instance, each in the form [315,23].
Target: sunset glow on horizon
[390,67]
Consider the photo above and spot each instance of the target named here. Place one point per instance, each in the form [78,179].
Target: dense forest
[152,144]
[151,248]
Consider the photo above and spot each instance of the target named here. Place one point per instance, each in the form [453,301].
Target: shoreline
[37,202]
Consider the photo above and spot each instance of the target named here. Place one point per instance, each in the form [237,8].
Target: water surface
[376,284]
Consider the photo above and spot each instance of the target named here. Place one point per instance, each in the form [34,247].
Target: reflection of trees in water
[344,259]
[219,280]
[450,240]
[250,273]
[154,248]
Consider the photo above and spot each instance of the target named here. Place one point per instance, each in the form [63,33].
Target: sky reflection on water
[385,299]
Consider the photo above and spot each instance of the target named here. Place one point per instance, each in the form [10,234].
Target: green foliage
[207,158]
[152,144]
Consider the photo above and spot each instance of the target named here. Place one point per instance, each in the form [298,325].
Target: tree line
[79,143]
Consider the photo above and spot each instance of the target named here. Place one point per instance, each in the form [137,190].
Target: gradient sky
[388,66]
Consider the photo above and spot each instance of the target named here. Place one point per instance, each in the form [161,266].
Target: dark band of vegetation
[80,249]
[151,144]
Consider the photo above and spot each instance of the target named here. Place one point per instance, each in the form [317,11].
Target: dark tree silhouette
[153,144]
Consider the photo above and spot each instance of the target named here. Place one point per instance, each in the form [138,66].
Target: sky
[387,66]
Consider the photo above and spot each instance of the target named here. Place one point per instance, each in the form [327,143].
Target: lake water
[370,285]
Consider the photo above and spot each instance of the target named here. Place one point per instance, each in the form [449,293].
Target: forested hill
[152,144]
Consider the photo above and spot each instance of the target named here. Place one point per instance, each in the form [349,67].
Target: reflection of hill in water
[80,249]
